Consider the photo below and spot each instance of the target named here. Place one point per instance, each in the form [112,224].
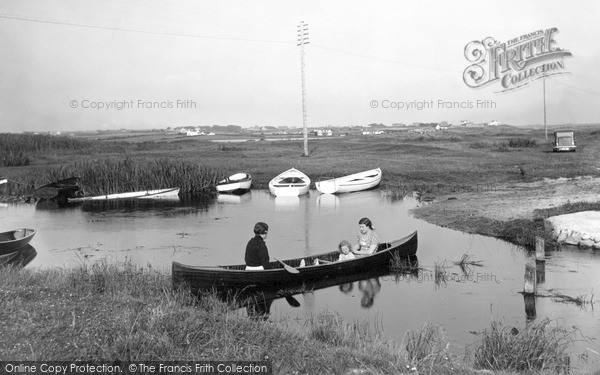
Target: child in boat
[345,253]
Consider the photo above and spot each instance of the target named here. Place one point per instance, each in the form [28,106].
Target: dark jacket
[257,253]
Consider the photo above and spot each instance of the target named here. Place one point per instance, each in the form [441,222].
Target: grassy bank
[123,313]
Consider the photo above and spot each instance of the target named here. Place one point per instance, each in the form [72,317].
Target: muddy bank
[484,212]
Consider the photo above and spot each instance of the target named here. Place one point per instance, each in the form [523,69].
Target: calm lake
[154,233]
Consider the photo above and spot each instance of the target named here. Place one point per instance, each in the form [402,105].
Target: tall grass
[27,143]
[540,346]
[117,176]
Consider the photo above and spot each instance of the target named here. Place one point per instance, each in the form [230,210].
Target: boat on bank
[291,183]
[170,193]
[350,183]
[288,273]
[60,191]
[238,183]
[14,240]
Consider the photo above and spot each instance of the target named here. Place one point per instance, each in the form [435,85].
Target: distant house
[493,123]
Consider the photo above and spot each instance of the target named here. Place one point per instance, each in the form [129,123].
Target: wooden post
[540,272]
[530,312]
[540,254]
[529,290]
[529,287]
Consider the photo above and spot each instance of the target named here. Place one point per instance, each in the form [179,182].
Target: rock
[574,239]
[596,246]
[585,244]
[585,224]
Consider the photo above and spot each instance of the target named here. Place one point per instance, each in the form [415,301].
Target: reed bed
[117,176]
[539,347]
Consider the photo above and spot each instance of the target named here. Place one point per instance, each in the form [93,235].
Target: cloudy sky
[155,64]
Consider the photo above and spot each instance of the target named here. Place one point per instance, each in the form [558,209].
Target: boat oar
[292,301]
[290,269]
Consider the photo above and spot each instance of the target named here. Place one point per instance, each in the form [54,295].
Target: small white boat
[235,184]
[170,193]
[351,183]
[291,183]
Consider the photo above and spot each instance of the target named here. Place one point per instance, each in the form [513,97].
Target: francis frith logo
[516,62]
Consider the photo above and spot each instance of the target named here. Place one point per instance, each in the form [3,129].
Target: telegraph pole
[302,40]
[545,126]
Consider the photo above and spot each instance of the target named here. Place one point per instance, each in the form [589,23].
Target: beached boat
[14,240]
[238,183]
[61,190]
[291,183]
[351,183]
[170,193]
[288,273]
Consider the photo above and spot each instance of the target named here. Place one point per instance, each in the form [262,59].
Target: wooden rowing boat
[238,183]
[60,191]
[14,240]
[170,193]
[291,183]
[351,183]
[227,279]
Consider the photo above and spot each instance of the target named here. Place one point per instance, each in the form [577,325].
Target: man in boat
[257,254]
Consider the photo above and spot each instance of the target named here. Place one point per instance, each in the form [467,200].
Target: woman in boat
[367,238]
[257,254]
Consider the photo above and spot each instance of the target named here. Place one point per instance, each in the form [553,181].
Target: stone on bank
[580,229]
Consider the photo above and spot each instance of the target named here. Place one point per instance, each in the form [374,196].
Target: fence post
[530,285]
[540,254]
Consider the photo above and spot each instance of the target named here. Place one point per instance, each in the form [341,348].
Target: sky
[113,64]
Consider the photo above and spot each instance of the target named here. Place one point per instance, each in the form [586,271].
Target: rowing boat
[238,183]
[14,240]
[170,193]
[351,183]
[291,183]
[60,191]
[288,273]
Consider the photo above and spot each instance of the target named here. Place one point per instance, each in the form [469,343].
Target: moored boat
[288,273]
[351,183]
[238,183]
[291,183]
[14,240]
[61,190]
[171,193]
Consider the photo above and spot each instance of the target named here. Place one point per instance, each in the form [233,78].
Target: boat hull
[348,184]
[144,194]
[291,183]
[231,279]
[235,184]
[14,240]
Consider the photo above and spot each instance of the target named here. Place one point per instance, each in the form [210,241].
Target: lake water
[155,233]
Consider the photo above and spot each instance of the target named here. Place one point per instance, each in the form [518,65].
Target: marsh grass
[124,312]
[122,175]
[539,346]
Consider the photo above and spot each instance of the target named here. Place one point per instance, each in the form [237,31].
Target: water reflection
[234,198]
[258,303]
[20,258]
